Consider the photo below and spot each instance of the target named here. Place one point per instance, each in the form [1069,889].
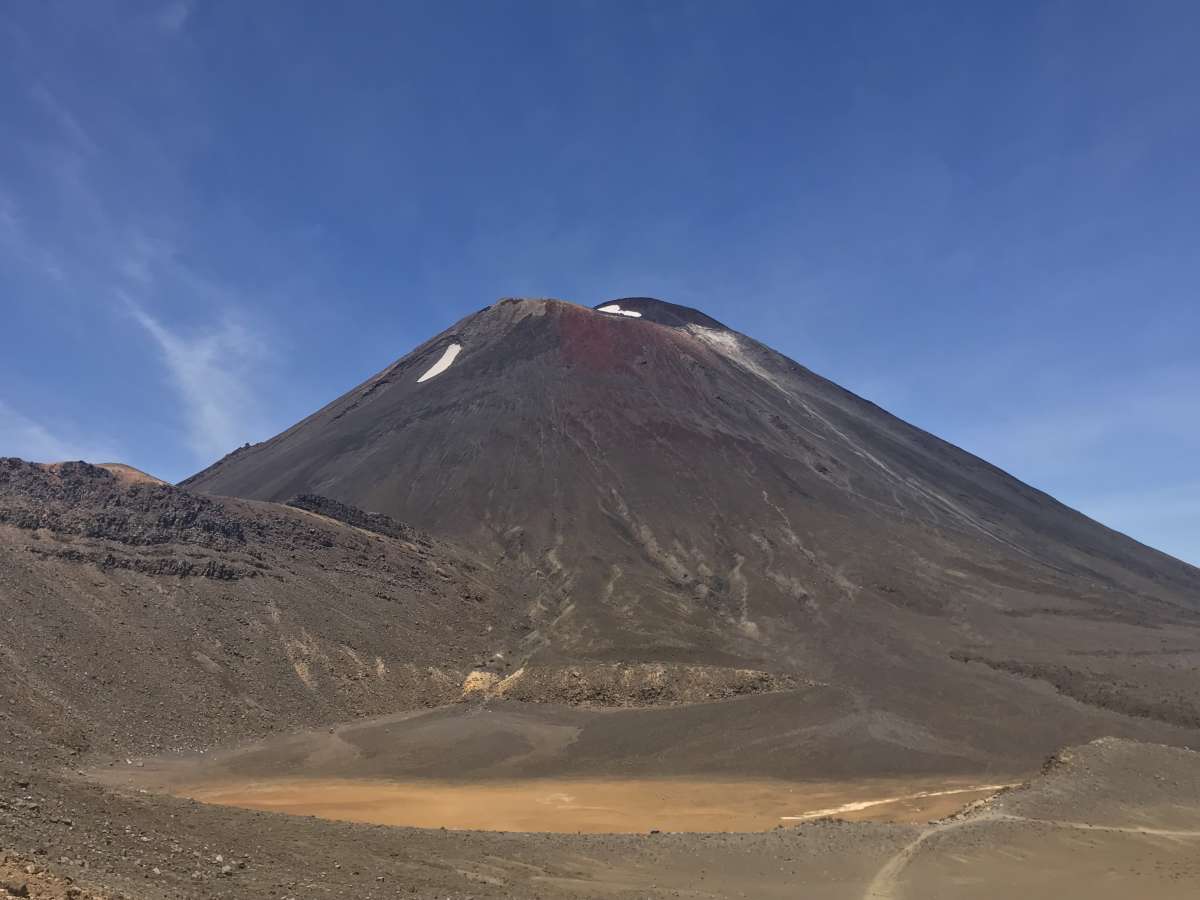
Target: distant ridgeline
[352,515]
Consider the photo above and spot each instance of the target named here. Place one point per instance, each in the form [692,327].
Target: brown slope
[140,617]
[126,582]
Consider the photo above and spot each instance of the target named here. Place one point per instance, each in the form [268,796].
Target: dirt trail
[886,883]
[1084,826]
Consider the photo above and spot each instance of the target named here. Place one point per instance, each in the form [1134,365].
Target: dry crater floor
[374,809]
[596,806]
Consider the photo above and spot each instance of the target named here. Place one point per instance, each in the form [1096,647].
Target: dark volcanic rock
[78,498]
[377,522]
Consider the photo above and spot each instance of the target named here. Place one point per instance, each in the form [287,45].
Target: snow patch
[615,309]
[442,364]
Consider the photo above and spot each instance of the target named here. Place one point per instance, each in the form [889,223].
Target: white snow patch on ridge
[442,364]
[615,309]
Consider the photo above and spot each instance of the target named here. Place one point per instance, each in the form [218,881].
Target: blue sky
[216,216]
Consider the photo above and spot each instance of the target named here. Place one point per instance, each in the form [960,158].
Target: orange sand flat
[600,805]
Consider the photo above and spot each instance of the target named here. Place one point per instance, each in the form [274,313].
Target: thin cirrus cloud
[71,235]
[1166,518]
[210,370]
[173,17]
[1090,452]
[17,244]
[30,439]
[63,118]
[1063,432]
[213,364]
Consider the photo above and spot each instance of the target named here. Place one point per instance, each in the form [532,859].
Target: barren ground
[1111,819]
[594,806]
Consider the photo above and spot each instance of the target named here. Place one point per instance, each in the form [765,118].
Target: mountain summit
[686,495]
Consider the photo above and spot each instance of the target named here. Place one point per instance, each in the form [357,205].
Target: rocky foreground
[1106,820]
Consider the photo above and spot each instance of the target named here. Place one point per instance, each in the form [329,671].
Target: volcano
[684,496]
[602,574]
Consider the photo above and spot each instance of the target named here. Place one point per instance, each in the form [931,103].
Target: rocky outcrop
[621,685]
[90,501]
[352,515]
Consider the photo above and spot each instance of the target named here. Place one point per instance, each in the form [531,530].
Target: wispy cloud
[1053,437]
[29,439]
[1136,432]
[211,369]
[116,248]
[1166,518]
[63,118]
[16,242]
[173,17]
